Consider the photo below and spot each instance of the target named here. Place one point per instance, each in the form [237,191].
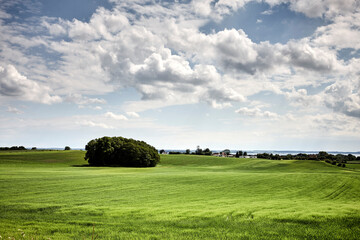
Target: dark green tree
[198,151]
[239,154]
[351,157]
[67,148]
[119,151]
[207,151]
[322,155]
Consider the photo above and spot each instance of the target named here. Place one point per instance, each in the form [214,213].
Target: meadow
[54,195]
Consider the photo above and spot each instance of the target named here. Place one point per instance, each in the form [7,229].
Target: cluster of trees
[338,159]
[240,154]
[199,151]
[12,148]
[174,152]
[206,151]
[162,151]
[119,151]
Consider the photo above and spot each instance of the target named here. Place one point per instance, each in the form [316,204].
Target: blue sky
[242,74]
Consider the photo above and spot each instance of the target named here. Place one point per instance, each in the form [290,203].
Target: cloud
[159,50]
[235,49]
[343,32]
[14,110]
[232,51]
[54,28]
[133,114]
[115,116]
[89,123]
[344,97]
[256,112]
[301,98]
[226,95]
[302,54]
[327,8]
[267,12]
[83,100]
[319,8]
[202,7]
[4,15]
[15,85]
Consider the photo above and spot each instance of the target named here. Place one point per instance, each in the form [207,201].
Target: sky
[238,74]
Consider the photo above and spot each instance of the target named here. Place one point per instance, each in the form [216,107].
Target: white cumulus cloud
[13,84]
[115,116]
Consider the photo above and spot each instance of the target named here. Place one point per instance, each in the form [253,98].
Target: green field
[53,195]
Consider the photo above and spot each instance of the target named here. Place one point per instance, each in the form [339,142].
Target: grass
[53,195]
[353,165]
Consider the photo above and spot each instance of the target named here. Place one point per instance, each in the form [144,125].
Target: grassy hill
[54,195]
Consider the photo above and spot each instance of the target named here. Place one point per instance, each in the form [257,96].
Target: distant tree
[67,148]
[13,148]
[322,155]
[162,151]
[207,151]
[119,151]
[198,151]
[175,152]
[33,148]
[302,156]
[239,154]
[245,153]
[351,157]
[276,157]
[340,158]
[187,151]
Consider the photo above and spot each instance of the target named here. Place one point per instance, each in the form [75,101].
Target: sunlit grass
[51,194]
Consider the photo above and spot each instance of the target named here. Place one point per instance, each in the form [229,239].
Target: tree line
[13,148]
[206,152]
[17,148]
[338,159]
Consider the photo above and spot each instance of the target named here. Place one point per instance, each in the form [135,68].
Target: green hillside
[53,194]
